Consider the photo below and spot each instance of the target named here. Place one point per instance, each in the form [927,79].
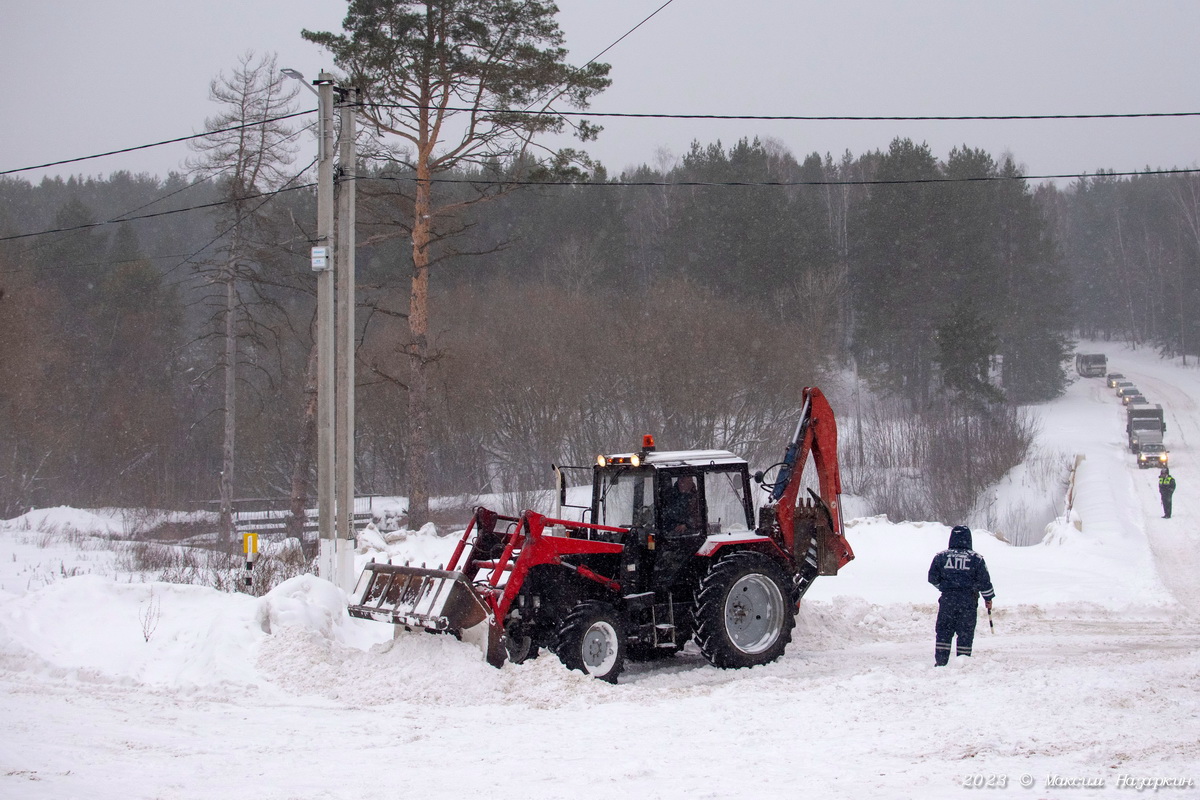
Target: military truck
[1091,365]
[1144,425]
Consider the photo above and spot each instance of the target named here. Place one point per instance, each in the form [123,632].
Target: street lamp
[296,75]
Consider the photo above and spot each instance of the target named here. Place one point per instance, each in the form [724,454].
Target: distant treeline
[691,299]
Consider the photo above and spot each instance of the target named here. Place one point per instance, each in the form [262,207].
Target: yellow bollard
[250,547]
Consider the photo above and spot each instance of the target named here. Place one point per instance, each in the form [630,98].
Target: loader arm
[816,434]
[471,597]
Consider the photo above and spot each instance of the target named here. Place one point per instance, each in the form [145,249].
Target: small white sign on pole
[320,259]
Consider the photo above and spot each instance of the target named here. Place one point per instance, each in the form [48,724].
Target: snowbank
[64,519]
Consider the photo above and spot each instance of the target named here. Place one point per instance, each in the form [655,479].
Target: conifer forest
[570,312]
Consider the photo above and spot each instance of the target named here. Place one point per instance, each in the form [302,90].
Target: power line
[626,34]
[649,115]
[268,196]
[808,117]
[287,116]
[862,182]
[124,217]
[641,184]
[155,144]
[214,204]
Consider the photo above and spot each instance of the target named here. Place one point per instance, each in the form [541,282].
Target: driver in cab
[681,507]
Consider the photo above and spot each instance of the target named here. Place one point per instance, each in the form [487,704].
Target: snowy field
[111,687]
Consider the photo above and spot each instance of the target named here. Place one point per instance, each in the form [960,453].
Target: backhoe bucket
[437,600]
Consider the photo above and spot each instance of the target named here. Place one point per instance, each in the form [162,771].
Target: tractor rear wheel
[592,640]
[744,613]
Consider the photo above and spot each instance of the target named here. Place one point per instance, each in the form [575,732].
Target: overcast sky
[86,76]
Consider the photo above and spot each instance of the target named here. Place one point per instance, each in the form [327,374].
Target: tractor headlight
[601,461]
[636,460]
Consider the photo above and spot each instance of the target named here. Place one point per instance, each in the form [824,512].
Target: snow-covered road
[1175,542]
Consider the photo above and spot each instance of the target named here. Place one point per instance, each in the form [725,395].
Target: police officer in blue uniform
[961,575]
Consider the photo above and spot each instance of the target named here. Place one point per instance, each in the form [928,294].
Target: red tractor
[668,551]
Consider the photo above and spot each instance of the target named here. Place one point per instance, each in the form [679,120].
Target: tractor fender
[717,544]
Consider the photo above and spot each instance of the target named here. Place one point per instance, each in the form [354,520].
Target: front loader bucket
[437,600]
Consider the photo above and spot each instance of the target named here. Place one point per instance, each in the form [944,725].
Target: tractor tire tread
[709,610]
[575,625]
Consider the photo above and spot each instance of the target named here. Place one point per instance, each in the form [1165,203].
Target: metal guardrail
[364,502]
[270,517]
[265,523]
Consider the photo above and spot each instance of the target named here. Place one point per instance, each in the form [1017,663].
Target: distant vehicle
[1135,399]
[1114,378]
[1119,385]
[1153,455]
[1091,365]
[1127,391]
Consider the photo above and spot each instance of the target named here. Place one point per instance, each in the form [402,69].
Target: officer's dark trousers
[1166,500]
[957,612]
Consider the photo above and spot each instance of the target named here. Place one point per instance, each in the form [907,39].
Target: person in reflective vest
[961,575]
[1166,488]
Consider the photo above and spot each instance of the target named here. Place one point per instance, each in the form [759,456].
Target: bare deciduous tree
[247,149]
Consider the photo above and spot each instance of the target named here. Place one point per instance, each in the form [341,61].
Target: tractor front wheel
[744,613]
[592,640]
[519,647]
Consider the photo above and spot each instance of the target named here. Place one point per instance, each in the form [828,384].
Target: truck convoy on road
[667,552]
[1144,424]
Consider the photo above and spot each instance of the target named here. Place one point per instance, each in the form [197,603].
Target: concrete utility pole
[345,341]
[335,334]
[325,331]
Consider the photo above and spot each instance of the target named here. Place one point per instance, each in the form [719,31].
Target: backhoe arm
[816,434]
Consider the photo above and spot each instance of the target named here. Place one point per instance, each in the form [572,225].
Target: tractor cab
[672,502]
[673,493]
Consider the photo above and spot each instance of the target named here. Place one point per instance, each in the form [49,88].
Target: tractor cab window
[681,512]
[725,499]
[625,497]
